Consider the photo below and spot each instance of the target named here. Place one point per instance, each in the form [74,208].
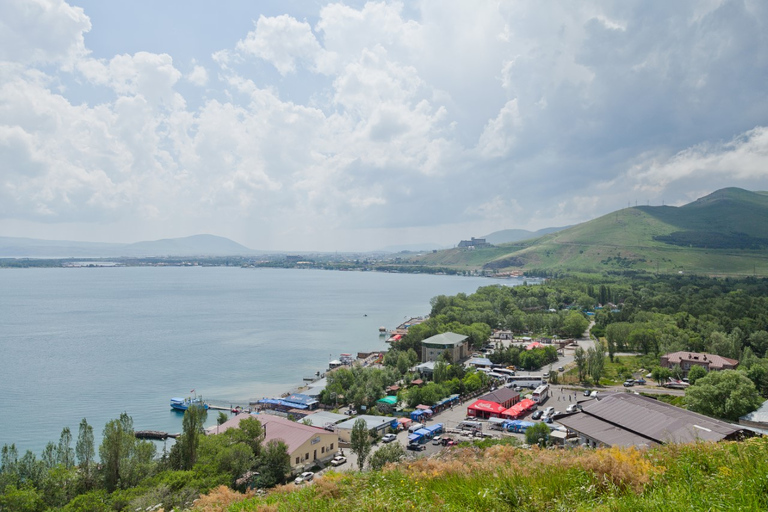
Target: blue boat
[182,404]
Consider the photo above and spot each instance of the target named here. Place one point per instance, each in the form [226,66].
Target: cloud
[198,76]
[341,123]
[42,32]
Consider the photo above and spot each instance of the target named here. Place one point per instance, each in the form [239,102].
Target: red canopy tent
[485,409]
[519,409]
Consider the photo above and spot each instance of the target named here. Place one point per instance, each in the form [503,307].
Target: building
[505,397]
[377,426]
[485,409]
[474,243]
[687,360]
[627,419]
[457,346]
[306,444]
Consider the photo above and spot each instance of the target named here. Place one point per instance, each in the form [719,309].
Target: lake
[95,342]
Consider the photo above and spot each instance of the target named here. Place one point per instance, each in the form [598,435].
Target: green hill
[725,232]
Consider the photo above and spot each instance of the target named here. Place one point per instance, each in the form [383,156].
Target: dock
[154,434]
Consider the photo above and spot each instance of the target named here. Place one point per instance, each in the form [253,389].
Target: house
[627,419]
[485,409]
[433,347]
[474,243]
[305,444]
[687,360]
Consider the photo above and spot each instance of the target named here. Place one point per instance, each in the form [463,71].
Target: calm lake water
[94,342]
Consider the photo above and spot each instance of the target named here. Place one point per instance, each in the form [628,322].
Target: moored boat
[182,404]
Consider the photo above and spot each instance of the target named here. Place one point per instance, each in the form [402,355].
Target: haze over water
[94,342]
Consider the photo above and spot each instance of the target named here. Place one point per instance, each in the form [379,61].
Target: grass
[700,476]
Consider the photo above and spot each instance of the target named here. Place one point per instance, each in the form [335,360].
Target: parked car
[587,392]
[560,369]
[593,394]
[436,440]
[640,381]
[573,408]
[447,441]
[388,438]
[629,383]
[416,447]
[306,476]
[548,412]
[537,414]
[338,461]
[415,426]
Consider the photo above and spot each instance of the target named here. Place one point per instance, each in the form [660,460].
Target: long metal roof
[628,419]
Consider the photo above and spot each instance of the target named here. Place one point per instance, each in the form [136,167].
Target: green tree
[661,375]
[221,418]
[274,463]
[537,434]
[392,452]
[360,442]
[65,455]
[86,452]
[192,428]
[580,358]
[575,324]
[596,361]
[696,373]
[116,451]
[26,499]
[727,394]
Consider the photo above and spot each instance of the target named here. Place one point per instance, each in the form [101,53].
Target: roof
[501,395]
[391,400]
[626,419]
[479,361]
[484,405]
[447,338]
[714,361]
[324,418]
[299,398]
[372,422]
[760,416]
[293,434]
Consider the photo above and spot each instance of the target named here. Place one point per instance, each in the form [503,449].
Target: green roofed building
[456,344]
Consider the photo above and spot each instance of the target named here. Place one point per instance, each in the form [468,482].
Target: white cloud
[387,117]
[42,32]
[282,41]
[198,76]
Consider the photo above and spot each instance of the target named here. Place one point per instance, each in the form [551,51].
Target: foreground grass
[723,476]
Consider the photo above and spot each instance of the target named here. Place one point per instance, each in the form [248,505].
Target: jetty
[154,434]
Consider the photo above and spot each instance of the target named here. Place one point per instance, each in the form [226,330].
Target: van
[415,426]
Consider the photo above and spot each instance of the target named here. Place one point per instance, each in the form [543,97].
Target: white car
[306,476]
[573,408]
[437,440]
[388,438]
[338,460]
[548,412]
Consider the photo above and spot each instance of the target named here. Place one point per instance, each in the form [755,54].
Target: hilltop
[725,232]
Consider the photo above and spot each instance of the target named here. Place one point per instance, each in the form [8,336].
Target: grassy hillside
[723,476]
[723,233]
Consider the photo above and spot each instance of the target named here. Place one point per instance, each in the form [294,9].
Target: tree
[661,375]
[360,441]
[727,394]
[392,452]
[274,463]
[192,429]
[575,324]
[222,418]
[580,358]
[596,361]
[85,451]
[116,450]
[696,373]
[65,455]
[537,434]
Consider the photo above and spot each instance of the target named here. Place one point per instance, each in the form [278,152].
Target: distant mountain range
[197,245]
[725,232]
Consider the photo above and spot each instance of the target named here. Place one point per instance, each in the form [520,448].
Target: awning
[414,437]
[391,400]
[423,432]
[434,428]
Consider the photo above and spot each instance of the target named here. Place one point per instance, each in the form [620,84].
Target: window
[306,457]
[322,449]
[331,446]
[298,459]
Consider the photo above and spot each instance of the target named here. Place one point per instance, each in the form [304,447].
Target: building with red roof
[485,409]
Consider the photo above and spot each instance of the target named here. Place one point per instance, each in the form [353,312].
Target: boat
[383,331]
[182,404]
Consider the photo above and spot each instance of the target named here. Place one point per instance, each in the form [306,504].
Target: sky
[352,126]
